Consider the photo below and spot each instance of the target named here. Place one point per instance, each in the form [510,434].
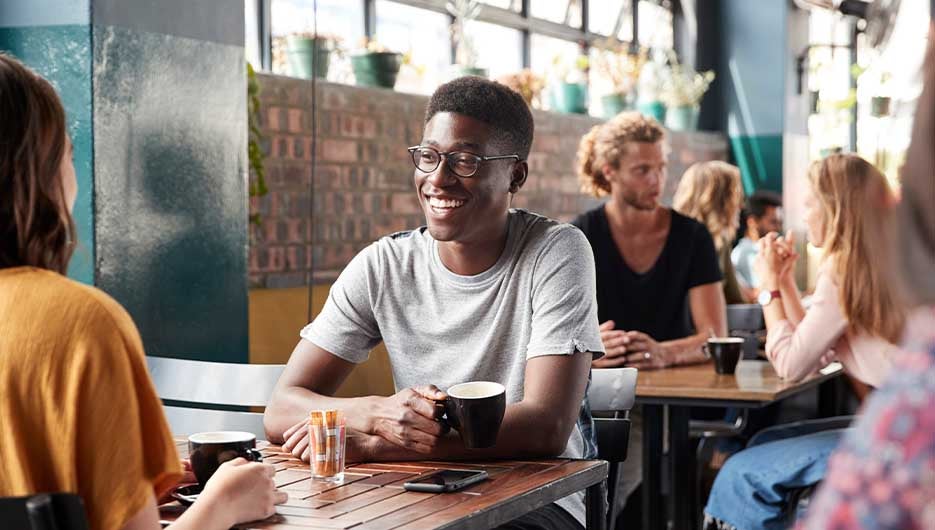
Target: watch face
[764,297]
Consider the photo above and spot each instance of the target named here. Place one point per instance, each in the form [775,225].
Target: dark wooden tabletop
[371,496]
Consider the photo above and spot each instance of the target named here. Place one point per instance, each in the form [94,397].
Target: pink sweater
[823,336]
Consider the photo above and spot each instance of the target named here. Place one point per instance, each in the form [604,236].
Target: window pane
[513,5]
[561,11]
[826,27]
[251,34]
[655,26]
[337,18]
[605,15]
[499,49]
[423,34]
[554,60]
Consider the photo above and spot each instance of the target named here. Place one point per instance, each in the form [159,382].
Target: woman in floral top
[883,474]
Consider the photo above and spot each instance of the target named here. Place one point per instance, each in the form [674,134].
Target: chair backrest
[612,389]
[745,317]
[744,321]
[211,384]
[44,511]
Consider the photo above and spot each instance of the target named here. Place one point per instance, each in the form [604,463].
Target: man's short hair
[760,201]
[490,102]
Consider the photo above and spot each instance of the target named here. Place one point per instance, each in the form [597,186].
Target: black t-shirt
[655,302]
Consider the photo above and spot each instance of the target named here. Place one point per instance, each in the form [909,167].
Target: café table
[667,396]
[371,495]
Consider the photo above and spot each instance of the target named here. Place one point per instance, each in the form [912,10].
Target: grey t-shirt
[442,328]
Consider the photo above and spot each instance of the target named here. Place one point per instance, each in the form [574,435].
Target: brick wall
[363,185]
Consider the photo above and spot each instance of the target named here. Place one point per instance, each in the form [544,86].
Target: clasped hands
[631,348]
[407,420]
[775,260]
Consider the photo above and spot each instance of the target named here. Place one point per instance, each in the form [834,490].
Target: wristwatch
[765,297]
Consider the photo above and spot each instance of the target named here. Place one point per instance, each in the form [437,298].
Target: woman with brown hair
[79,412]
[711,193]
[854,318]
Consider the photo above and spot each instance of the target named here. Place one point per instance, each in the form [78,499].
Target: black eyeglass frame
[446,158]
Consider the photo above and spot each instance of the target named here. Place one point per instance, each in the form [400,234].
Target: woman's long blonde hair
[711,192]
[856,204]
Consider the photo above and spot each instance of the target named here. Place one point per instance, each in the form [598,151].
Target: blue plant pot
[570,98]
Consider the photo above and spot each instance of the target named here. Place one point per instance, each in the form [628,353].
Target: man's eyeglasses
[461,163]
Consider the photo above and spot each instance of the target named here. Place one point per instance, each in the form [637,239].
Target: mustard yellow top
[78,412]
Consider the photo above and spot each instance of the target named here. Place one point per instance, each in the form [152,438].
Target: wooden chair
[43,511]
[612,391]
[208,396]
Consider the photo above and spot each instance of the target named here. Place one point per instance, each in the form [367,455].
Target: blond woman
[711,193]
[854,318]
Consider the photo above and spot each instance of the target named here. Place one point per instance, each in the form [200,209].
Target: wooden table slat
[416,511]
[577,475]
[380,508]
[358,501]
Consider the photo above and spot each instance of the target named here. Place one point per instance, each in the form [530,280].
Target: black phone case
[445,488]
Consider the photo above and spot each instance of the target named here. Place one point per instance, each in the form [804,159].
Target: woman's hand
[240,492]
[775,259]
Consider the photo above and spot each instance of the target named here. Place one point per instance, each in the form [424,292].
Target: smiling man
[481,293]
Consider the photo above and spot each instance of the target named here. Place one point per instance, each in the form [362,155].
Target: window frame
[520,20]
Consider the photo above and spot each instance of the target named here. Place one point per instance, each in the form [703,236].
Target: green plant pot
[654,109]
[613,104]
[682,118]
[376,69]
[308,56]
[570,98]
[880,106]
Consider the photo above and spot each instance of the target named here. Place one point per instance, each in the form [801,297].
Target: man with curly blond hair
[659,289]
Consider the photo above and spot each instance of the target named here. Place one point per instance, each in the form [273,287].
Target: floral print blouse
[883,474]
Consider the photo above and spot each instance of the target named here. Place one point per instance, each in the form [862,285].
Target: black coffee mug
[726,352]
[475,410]
[208,450]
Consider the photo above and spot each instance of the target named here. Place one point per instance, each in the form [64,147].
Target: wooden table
[371,496]
[668,453]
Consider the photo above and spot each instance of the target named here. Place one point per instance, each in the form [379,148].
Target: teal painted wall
[760,161]
[753,68]
[62,54]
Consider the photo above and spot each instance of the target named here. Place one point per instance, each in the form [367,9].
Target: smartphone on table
[446,480]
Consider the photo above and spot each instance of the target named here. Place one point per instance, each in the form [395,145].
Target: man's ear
[518,176]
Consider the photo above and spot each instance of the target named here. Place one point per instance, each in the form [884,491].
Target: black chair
[746,321]
[612,391]
[43,511]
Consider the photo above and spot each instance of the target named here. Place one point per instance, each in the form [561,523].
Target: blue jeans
[754,488]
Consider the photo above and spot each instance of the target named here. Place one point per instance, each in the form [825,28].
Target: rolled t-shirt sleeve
[564,304]
[705,267]
[346,326]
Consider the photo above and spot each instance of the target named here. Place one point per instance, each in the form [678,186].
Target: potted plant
[880,104]
[309,54]
[376,66]
[650,87]
[464,13]
[682,91]
[528,84]
[613,62]
[569,91]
